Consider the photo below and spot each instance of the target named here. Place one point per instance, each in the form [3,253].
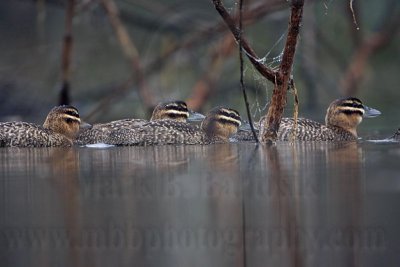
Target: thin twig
[251,54]
[352,12]
[246,102]
[64,97]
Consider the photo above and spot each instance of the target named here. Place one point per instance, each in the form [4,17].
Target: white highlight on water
[99,145]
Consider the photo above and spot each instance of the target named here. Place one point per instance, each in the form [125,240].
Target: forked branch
[280,78]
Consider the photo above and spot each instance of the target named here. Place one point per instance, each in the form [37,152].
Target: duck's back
[307,130]
[23,134]
[99,133]
[160,132]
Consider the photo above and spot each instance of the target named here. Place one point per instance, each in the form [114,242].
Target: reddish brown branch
[64,97]
[359,61]
[130,51]
[203,88]
[273,119]
[281,78]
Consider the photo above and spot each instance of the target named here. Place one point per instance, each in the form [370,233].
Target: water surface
[307,204]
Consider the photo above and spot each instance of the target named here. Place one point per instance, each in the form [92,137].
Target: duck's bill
[195,116]
[371,112]
[84,125]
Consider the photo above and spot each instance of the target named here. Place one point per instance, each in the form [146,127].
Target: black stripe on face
[352,112]
[72,112]
[71,119]
[229,122]
[351,102]
[352,105]
[229,113]
[177,115]
[177,105]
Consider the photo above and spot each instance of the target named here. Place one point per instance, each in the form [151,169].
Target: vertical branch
[246,102]
[273,119]
[129,50]
[280,78]
[251,125]
[64,97]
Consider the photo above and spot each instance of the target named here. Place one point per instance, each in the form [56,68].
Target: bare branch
[251,54]
[271,123]
[243,87]
[130,51]
[64,97]
[281,78]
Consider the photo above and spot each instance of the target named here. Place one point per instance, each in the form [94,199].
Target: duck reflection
[288,204]
[318,193]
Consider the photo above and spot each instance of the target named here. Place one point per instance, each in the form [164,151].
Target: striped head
[347,113]
[63,120]
[221,122]
[175,110]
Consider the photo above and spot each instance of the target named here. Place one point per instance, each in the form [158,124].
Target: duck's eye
[68,120]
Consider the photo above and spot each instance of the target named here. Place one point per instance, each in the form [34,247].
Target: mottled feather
[24,134]
[100,133]
[59,129]
[341,121]
[217,127]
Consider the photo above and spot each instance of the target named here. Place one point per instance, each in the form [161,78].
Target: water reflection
[222,205]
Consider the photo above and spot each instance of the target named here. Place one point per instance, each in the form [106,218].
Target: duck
[342,118]
[60,128]
[172,110]
[218,126]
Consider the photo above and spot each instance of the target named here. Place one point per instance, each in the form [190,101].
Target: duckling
[219,124]
[341,121]
[174,110]
[59,129]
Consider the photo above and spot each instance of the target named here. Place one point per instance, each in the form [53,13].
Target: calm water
[308,204]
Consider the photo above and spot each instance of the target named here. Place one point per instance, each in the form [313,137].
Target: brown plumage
[59,129]
[220,123]
[174,110]
[341,121]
